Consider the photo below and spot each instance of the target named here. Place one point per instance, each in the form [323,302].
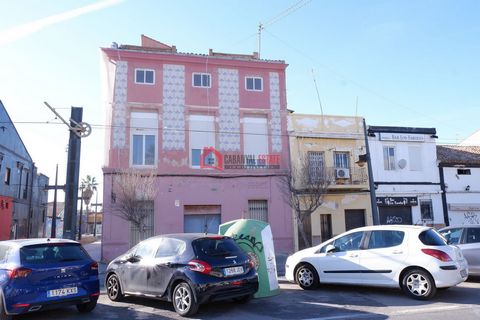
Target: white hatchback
[414,258]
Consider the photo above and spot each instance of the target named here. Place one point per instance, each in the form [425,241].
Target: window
[7,176]
[144,208]
[389,158]
[464,171]
[349,242]
[144,128]
[144,76]
[255,136]
[316,169]
[340,160]
[385,238]
[201,80]
[258,210]
[201,135]
[214,247]
[26,175]
[426,209]
[146,249]
[254,83]
[201,223]
[170,247]
[42,254]
[415,156]
[453,236]
[3,254]
[473,235]
[431,237]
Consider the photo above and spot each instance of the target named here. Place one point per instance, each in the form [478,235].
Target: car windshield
[216,246]
[431,237]
[52,253]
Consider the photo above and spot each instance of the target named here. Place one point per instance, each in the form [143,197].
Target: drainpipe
[444,195]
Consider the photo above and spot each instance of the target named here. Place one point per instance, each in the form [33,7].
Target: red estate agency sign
[214,159]
[6,210]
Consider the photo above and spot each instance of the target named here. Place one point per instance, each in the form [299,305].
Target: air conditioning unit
[342,173]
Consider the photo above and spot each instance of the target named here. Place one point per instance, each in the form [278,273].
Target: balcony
[347,178]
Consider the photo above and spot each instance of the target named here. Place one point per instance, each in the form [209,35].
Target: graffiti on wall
[470,217]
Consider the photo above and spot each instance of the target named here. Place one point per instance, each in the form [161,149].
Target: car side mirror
[133,259]
[330,249]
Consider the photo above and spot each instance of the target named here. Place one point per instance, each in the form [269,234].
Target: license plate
[62,292]
[463,273]
[233,271]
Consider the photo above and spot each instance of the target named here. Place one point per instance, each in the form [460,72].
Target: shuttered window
[258,210]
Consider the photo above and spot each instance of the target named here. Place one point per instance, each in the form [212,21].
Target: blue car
[42,274]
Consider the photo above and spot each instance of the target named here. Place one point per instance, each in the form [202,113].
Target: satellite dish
[402,163]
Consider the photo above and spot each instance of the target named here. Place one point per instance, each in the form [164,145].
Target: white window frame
[206,118]
[346,155]
[201,79]
[387,165]
[144,70]
[254,89]
[143,132]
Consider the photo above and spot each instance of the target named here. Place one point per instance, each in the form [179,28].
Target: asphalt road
[327,303]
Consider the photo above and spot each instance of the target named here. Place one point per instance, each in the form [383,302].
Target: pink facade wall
[178,184]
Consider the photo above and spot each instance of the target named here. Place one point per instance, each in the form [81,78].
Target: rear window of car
[216,246]
[431,237]
[52,253]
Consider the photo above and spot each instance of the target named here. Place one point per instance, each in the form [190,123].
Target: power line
[356,83]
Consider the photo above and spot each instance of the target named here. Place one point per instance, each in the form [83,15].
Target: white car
[414,258]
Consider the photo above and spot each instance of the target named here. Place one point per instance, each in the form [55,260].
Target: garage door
[395,215]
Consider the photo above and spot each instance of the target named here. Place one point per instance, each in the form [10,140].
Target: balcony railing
[346,176]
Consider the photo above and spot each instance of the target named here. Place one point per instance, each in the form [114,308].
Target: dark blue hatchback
[40,274]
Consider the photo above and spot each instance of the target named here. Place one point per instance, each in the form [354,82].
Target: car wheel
[183,300]
[307,277]
[3,313]
[114,289]
[244,299]
[87,307]
[419,284]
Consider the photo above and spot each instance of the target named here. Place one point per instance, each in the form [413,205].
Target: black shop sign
[397,201]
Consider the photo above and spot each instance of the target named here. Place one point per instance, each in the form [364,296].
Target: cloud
[24,30]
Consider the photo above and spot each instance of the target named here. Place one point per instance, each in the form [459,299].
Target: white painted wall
[426,172]
[459,198]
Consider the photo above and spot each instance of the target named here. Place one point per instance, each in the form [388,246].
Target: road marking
[369,312]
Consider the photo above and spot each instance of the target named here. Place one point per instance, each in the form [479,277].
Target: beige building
[334,142]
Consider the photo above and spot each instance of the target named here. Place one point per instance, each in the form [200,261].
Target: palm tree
[88,186]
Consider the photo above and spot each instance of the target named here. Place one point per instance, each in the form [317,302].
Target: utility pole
[54,213]
[78,130]
[260,28]
[371,183]
[73,170]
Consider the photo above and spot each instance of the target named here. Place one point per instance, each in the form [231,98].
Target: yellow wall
[329,134]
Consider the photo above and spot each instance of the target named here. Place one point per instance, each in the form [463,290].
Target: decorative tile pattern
[173,107]
[119,112]
[229,109]
[276,121]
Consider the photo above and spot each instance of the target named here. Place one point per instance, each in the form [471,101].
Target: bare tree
[304,188]
[133,191]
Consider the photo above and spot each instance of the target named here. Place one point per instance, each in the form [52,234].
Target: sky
[412,63]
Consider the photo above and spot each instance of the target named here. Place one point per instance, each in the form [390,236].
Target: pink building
[212,126]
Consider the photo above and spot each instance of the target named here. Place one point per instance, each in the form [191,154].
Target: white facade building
[460,176]
[406,175]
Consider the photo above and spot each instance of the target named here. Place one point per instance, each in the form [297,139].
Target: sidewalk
[94,249]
